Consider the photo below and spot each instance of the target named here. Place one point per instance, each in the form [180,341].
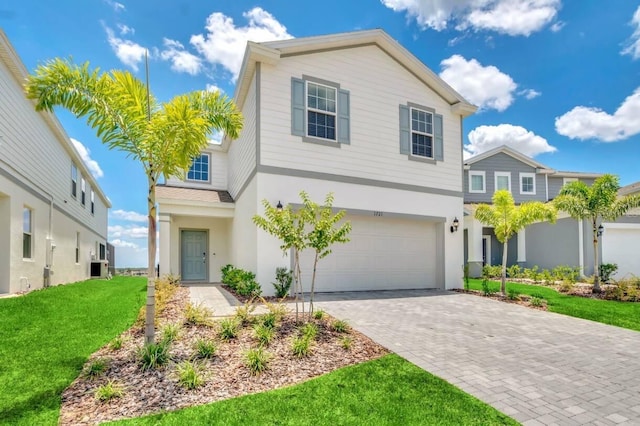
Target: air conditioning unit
[99,268]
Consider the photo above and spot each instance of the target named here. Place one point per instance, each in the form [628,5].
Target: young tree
[164,137]
[595,203]
[507,219]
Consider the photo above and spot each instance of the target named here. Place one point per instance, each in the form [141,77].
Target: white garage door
[383,254]
[622,246]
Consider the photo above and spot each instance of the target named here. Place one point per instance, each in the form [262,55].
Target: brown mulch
[226,376]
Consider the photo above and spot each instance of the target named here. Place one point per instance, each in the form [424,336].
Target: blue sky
[558,80]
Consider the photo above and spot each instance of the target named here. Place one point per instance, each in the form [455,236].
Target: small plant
[606,270]
[547,277]
[264,334]
[301,346]
[228,328]
[489,271]
[170,332]
[514,271]
[96,368]
[513,294]
[346,343]
[319,314]
[566,286]
[257,360]
[242,282]
[116,343]
[486,288]
[309,330]
[340,326]
[566,273]
[280,310]
[205,349]
[153,355]
[536,301]
[282,285]
[109,391]
[268,320]
[243,313]
[190,375]
[198,315]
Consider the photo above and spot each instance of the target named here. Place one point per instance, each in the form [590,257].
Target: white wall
[377,86]
[244,234]
[242,152]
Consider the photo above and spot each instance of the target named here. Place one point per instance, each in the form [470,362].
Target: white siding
[377,86]
[242,152]
[243,247]
[217,172]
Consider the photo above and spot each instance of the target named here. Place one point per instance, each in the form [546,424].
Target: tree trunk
[298,281]
[596,268]
[503,284]
[149,330]
[313,284]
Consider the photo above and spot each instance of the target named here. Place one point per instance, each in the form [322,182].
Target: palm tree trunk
[503,284]
[596,268]
[149,330]
[313,285]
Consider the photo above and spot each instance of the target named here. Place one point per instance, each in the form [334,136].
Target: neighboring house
[621,240]
[355,114]
[53,214]
[568,242]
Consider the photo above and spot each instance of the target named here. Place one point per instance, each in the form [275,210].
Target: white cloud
[633,44]
[593,123]
[181,60]
[125,29]
[213,88]
[529,93]
[118,7]
[487,87]
[485,138]
[133,232]
[85,154]
[129,215]
[557,26]
[122,243]
[129,52]
[224,43]
[512,17]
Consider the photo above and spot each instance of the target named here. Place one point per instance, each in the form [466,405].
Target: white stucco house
[53,214]
[355,114]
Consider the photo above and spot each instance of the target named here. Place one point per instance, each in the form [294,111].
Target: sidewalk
[216,298]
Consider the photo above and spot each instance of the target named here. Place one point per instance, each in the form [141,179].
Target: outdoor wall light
[454,225]
[279,206]
[600,230]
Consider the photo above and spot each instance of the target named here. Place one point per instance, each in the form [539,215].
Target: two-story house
[568,242]
[53,214]
[355,114]
[621,239]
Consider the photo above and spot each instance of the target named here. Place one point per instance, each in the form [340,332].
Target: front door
[194,255]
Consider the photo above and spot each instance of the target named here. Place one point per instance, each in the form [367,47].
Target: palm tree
[595,203]
[164,137]
[508,219]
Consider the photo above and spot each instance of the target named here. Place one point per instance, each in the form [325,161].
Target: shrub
[531,273]
[153,355]
[606,270]
[547,277]
[282,285]
[268,320]
[170,332]
[242,282]
[301,346]
[319,314]
[198,315]
[486,288]
[205,349]
[513,294]
[536,301]
[514,271]
[489,271]
[228,328]
[165,287]
[279,310]
[264,334]
[566,286]
[566,273]
[309,330]
[243,313]
[346,343]
[95,368]
[109,391]
[190,375]
[116,343]
[340,326]
[257,360]
[627,290]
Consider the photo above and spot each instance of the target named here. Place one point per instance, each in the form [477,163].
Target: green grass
[621,314]
[387,391]
[46,336]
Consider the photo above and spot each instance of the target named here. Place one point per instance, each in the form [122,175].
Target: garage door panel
[621,246]
[383,254]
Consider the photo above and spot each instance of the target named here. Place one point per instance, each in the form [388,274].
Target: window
[503,181]
[27,233]
[74,180]
[93,202]
[321,111]
[199,170]
[77,247]
[102,252]
[421,133]
[476,182]
[528,183]
[83,187]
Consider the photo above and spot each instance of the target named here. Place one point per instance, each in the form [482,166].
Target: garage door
[621,245]
[383,254]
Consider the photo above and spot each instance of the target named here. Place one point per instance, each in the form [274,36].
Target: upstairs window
[74,181]
[503,181]
[199,171]
[477,182]
[77,247]
[27,233]
[102,252]
[527,183]
[83,188]
[421,133]
[93,202]
[321,111]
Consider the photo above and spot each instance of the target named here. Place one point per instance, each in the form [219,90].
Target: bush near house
[242,282]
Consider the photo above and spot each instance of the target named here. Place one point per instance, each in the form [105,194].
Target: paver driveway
[538,367]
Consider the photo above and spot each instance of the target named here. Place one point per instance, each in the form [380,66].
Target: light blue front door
[194,255]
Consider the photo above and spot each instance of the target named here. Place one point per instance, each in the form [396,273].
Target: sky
[558,80]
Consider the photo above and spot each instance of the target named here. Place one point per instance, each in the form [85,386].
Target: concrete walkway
[538,367]
[216,298]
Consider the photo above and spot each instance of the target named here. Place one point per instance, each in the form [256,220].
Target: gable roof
[504,149]
[630,189]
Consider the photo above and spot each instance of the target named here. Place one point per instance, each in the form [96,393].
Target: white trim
[581,246]
[546,187]
[487,258]
[620,226]
[501,174]
[528,175]
[431,135]
[522,246]
[484,182]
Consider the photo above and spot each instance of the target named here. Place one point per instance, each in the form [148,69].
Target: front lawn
[621,314]
[47,335]
[386,391]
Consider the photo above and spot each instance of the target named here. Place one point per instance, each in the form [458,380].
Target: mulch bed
[226,375]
